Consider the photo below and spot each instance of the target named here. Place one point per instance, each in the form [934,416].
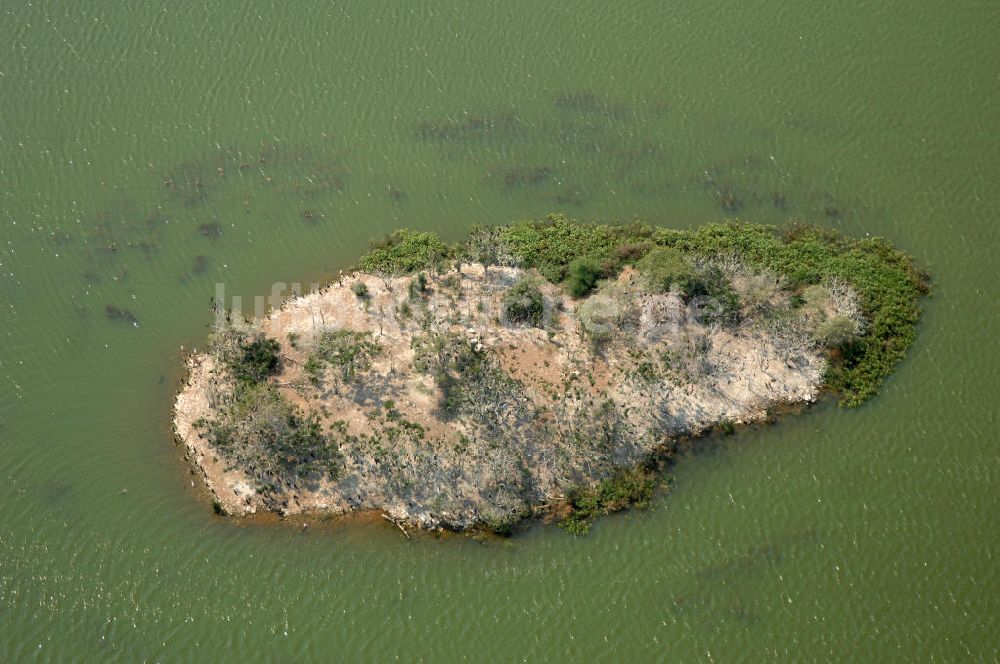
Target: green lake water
[150,150]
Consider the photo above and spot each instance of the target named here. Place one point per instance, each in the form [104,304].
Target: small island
[539,369]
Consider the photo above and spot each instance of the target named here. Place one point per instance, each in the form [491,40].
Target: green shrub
[582,274]
[664,267]
[887,281]
[506,524]
[632,487]
[524,304]
[713,289]
[264,434]
[836,331]
[349,351]
[552,244]
[360,289]
[667,267]
[314,369]
[405,251]
[647,371]
[726,427]
[255,360]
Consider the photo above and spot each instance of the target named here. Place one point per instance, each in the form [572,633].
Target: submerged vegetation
[619,154]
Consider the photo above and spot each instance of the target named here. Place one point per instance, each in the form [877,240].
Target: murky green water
[149,150]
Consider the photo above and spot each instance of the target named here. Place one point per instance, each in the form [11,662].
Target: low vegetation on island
[543,368]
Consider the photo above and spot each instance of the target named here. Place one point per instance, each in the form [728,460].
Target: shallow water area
[151,151]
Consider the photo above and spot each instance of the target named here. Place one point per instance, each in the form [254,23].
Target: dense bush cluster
[582,275]
[552,245]
[404,252]
[887,281]
[579,254]
[626,488]
[667,267]
[524,304]
[254,360]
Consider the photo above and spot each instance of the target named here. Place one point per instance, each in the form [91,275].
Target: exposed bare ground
[554,410]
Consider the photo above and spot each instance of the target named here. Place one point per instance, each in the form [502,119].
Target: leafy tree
[256,360]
